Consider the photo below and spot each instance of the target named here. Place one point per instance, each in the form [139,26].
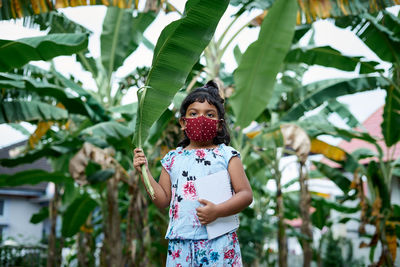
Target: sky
[361,105]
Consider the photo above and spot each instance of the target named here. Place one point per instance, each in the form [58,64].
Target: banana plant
[165,79]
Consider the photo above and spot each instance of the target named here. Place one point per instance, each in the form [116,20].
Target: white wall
[17,213]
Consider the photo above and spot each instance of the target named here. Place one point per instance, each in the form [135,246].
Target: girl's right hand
[139,159]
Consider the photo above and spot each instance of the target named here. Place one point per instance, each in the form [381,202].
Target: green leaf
[320,215]
[109,129]
[19,128]
[125,109]
[18,110]
[259,65]
[328,57]
[158,128]
[376,179]
[40,216]
[100,176]
[391,117]
[334,106]
[76,214]
[32,177]
[121,35]
[15,54]
[330,89]
[178,49]
[72,103]
[54,149]
[335,175]
[96,110]
[380,34]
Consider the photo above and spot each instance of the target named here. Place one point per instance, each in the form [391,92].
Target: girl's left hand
[207,213]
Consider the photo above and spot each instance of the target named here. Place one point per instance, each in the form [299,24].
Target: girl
[203,151]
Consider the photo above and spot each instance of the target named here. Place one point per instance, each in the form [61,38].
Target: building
[18,204]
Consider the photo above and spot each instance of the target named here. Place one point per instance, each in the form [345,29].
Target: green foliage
[122,33]
[76,214]
[32,177]
[262,61]
[15,54]
[165,79]
[19,110]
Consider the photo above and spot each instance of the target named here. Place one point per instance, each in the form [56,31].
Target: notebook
[217,189]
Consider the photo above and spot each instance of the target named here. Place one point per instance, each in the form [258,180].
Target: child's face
[205,109]
[197,109]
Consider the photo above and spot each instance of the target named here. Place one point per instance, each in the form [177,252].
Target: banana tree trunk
[305,200]
[53,256]
[282,241]
[85,245]
[111,252]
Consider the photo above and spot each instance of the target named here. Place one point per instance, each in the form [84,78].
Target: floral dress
[188,242]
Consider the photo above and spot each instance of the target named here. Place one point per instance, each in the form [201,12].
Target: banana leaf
[328,57]
[76,214]
[256,75]
[334,175]
[15,54]
[178,49]
[32,177]
[330,89]
[72,103]
[55,149]
[121,35]
[343,111]
[17,110]
[391,117]
[40,216]
[109,129]
[96,109]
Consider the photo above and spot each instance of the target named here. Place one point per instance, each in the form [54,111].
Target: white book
[217,188]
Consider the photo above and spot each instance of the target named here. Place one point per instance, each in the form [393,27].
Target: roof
[372,125]
[27,190]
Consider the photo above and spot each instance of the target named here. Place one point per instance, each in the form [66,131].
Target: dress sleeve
[229,153]
[168,161]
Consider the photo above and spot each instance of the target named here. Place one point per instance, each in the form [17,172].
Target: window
[1,207]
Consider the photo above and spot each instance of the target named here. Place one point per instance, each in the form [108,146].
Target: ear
[182,122]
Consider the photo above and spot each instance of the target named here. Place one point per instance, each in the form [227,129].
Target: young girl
[203,151]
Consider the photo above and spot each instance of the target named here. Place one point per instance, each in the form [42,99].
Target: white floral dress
[188,243]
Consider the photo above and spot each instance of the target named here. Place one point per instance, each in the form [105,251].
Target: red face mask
[201,129]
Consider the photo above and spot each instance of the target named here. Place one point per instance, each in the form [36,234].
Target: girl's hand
[208,213]
[139,159]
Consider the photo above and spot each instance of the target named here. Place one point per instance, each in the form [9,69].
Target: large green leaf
[18,110]
[178,49]
[74,104]
[391,117]
[380,33]
[32,177]
[328,57]
[76,214]
[109,129]
[335,175]
[330,89]
[334,106]
[40,216]
[96,109]
[15,54]
[122,33]
[55,149]
[255,76]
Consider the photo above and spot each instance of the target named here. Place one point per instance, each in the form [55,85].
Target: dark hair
[209,92]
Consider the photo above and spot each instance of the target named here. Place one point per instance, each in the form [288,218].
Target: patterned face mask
[201,129]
